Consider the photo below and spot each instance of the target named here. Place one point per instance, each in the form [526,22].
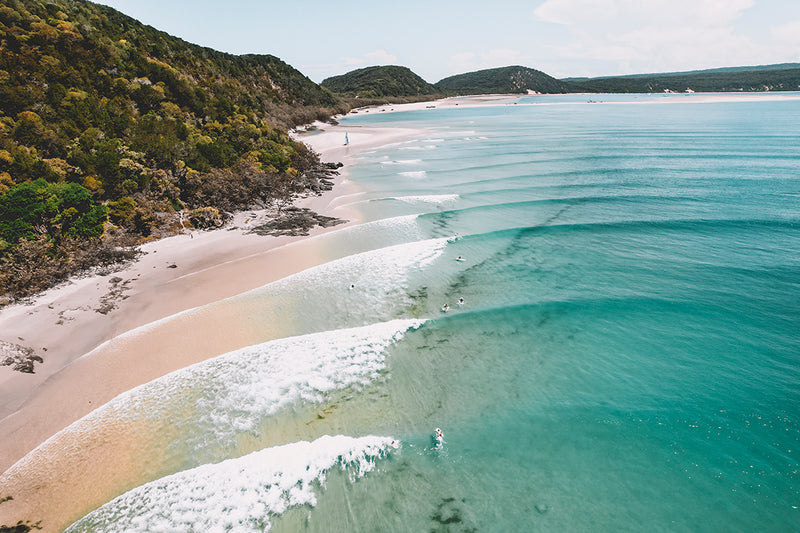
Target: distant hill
[779,77]
[517,79]
[514,79]
[379,81]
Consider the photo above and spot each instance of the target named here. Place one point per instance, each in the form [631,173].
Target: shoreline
[180,303]
[165,322]
[66,326]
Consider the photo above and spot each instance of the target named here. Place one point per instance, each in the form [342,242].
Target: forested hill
[503,80]
[781,77]
[379,81]
[515,79]
[105,119]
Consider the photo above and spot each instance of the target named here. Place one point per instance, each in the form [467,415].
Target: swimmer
[438,435]
[352,286]
[460,301]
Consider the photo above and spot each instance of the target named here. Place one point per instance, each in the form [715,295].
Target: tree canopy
[101,116]
[379,81]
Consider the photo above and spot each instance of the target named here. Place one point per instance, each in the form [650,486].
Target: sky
[436,39]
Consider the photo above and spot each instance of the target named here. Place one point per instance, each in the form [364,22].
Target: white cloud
[788,35]
[380,57]
[598,14]
[653,35]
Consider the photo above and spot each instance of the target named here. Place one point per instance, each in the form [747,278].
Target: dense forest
[784,77]
[109,127]
[503,80]
[378,82]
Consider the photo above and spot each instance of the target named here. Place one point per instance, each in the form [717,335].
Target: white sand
[164,318]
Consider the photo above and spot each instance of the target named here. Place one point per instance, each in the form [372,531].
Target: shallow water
[627,356]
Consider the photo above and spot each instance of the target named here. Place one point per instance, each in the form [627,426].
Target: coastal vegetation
[379,82]
[503,80]
[782,77]
[111,131]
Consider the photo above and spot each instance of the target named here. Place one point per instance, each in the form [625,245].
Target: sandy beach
[180,303]
[101,335]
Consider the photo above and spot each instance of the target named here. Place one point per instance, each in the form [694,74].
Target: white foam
[382,278]
[214,400]
[414,174]
[429,199]
[199,410]
[425,147]
[402,162]
[237,495]
[395,230]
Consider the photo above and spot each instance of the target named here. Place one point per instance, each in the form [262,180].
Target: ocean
[620,350]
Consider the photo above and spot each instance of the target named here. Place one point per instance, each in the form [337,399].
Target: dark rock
[18,357]
[295,221]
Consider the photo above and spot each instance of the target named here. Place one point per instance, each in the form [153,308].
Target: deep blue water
[627,357]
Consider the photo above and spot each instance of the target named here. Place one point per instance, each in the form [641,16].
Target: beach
[104,334]
[189,298]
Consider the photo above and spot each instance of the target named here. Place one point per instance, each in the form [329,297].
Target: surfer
[445,308]
[459,258]
[460,301]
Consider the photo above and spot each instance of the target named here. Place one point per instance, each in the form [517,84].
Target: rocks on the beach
[116,292]
[295,221]
[318,179]
[18,357]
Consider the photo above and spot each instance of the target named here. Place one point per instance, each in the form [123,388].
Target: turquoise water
[627,356]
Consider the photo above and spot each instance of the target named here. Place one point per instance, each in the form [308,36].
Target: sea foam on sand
[195,414]
[237,495]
